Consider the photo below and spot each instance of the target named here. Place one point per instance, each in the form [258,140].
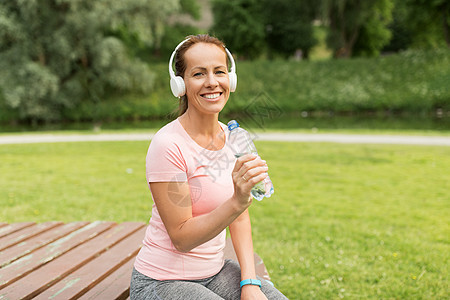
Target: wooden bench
[79,260]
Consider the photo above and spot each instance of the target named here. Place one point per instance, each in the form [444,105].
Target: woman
[199,189]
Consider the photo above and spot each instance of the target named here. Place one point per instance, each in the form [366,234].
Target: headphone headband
[177,82]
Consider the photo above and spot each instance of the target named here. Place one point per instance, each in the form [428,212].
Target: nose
[211,80]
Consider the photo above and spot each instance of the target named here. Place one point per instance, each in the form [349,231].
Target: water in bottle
[240,141]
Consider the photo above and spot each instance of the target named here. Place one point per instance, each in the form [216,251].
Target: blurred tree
[191,7]
[239,24]
[173,35]
[179,26]
[289,25]
[429,20]
[375,32]
[350,19]
[56,53]
[402,34]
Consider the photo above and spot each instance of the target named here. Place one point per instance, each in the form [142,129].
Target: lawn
[346,221]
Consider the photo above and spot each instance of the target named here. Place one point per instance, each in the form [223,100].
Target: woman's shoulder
[168,128]
[170,133]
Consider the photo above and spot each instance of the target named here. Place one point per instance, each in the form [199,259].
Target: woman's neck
[203,129]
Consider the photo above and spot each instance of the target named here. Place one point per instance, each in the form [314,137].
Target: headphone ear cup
[177,86]
[233,81]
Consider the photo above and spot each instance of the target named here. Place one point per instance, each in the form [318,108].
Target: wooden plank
[115,286]
[26,247]
[26,264]
[26,233]
[36,282]
[91,261]
[10,228]
[3,224]
[85,278]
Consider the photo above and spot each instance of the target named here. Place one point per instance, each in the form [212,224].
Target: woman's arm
[174,205]
[241,236]
[187,232]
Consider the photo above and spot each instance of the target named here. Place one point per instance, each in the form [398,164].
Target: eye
[220,72]
[198,74]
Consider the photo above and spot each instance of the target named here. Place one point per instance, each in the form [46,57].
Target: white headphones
[177,82]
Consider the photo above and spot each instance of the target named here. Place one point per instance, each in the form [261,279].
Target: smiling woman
[177,83]
[206,79]
[199,189]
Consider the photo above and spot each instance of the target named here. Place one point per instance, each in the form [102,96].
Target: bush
[410,82]
[413,81]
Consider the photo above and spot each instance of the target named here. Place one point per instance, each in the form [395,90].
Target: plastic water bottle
[240,141]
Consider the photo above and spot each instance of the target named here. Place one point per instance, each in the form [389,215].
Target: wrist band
[251,282]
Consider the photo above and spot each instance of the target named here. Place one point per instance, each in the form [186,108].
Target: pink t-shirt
[173,156]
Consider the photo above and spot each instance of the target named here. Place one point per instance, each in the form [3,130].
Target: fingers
[248,161]
[255,174]
[250,169]
[243,159]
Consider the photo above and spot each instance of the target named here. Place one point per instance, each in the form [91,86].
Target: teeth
[212,96]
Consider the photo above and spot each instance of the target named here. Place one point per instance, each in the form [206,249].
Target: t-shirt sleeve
[165,161]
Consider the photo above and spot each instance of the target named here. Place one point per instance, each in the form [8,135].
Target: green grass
[353,221]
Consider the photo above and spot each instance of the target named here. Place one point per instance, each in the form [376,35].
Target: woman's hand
[248,171]
[252,292]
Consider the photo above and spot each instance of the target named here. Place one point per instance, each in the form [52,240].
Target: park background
[346,221]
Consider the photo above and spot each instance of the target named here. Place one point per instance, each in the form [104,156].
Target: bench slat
[26,233]
[8,229]
[9,255]
[36,282]
[115,286]
[68,261]
[85,278]
[30,262]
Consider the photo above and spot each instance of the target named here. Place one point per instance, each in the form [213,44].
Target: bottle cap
[232,125]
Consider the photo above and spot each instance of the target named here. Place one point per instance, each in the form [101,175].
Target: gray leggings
[223,285]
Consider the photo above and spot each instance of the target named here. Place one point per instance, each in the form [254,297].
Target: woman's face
[206,78]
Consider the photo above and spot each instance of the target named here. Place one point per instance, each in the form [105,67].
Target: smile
[211,96]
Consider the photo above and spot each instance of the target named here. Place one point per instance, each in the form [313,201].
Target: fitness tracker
[250,282]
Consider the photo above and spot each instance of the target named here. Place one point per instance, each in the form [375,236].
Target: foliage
[174,32]
[412,82]
[420,24]
[190,7]
[173,35]
[429,21]
[345,221]
[402,35]
[289,25]
[356,22]
[55,54]
[239,23]
[375,33]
